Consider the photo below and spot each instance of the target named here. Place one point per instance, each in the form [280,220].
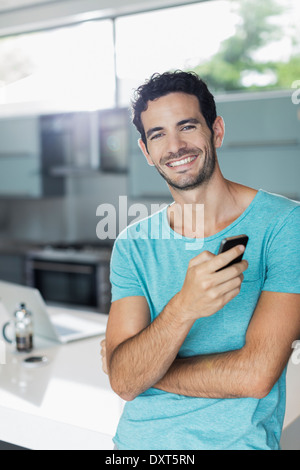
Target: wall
[4,216]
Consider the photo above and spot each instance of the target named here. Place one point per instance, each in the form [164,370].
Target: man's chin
[184,187]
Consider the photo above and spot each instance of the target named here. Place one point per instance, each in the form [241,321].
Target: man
[199,352]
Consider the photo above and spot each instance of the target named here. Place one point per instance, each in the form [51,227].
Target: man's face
[179,142]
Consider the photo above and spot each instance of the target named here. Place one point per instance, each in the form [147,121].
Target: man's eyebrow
[188,121]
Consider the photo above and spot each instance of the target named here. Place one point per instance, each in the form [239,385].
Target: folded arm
[254,369]
[141,354]
[138,352]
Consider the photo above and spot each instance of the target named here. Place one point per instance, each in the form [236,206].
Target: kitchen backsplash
[62,219]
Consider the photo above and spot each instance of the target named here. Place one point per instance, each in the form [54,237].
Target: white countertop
[68,404]
[291,427]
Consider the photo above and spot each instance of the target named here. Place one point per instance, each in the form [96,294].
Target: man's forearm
[141,361]
[224,375]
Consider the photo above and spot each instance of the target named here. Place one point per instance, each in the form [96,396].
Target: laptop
[60,325]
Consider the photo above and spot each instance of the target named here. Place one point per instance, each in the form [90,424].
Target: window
[176,38]
[64,68]
[235,45]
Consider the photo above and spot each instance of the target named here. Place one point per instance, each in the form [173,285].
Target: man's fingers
[217,261]
[203,257]
[221,260]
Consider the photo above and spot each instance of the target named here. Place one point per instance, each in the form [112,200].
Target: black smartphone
[230,242]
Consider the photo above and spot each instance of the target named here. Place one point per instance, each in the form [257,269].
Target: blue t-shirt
[151,260]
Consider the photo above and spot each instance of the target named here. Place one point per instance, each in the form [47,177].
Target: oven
[71,278]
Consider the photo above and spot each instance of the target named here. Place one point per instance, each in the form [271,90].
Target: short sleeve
[123,276]
[283,257]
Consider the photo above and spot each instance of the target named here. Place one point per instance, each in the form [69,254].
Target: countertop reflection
[68,393]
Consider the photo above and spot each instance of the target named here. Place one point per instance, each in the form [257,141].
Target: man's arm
[139,353]
[251,371]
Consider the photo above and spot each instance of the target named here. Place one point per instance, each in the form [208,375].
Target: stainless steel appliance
[71,276]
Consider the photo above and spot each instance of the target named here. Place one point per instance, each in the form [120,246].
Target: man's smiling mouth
[183,161]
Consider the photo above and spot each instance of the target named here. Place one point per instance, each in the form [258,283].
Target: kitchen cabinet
[69,143]
[260,119]
[114,139]
[12,268]
[23,171]
[275,169]
[81,142]
[19,157]
[37,153]
[262,143]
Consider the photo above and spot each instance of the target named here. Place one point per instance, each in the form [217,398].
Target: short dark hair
[169,82]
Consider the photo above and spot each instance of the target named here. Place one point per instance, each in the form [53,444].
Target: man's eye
[188,128]
[156,136]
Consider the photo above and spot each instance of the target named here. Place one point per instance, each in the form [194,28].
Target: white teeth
[182,162]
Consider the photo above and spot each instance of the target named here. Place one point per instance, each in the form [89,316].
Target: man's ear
[145,152]
[219,131]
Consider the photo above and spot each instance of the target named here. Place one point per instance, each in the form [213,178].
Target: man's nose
[175,142]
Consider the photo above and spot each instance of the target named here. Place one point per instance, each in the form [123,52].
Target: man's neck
[208,209]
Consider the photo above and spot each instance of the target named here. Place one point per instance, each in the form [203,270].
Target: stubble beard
[204,175]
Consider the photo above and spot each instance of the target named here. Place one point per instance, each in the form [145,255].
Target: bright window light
[69,67]
[177,38]
[235,45]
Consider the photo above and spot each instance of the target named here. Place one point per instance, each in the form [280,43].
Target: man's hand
[103,355]
[205,290]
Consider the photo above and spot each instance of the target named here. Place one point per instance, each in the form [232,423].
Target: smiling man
[197,351]
[184,157]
